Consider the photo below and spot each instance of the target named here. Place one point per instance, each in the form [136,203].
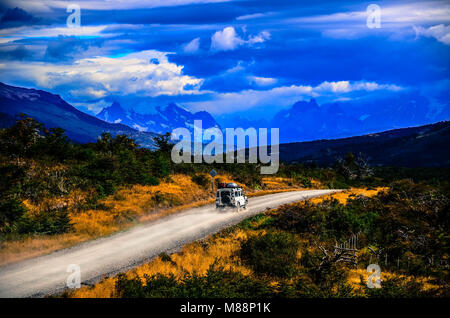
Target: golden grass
[355,275]
[316,184]
[15,251]
[272,182]
[343,196]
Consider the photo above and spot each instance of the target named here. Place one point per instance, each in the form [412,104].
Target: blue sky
[227,57]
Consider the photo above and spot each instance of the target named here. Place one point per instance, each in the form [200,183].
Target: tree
[363,170]
[104,143]
[19,139]
[11,210]
[352,167]
[55,144]
[123,142]
[163,144]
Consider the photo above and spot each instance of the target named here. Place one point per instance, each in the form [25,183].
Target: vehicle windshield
[224,193]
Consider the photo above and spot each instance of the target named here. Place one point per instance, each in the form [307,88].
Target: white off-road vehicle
[231,195]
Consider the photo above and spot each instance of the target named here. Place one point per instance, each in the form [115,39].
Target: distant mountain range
[163,120]
[307,120]
[53,111]
[427,145]
[424,146]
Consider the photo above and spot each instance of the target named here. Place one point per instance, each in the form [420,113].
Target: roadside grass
[357,279]
[343,196]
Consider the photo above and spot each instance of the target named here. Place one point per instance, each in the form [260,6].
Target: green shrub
[328,219]
[253,180]
[164,200]
[305,181]
[55,221]
[329,287]
[274,253]
[106,188]
[11,210]
[201,179]
[161,166]
[147,179]
[259,221]
[397,287]
[217,283]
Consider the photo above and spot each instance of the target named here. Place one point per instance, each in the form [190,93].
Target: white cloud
[346,87]
[105,31]
[228,39]
[252,16]
[36,32]
[192,46]
[285,96]
[439,32]
[262,81]
[260,38]
[239,67]
[146,73]
[89,92]
[426,12]
[48,5]
[225,40]
[395,19]
[92,107]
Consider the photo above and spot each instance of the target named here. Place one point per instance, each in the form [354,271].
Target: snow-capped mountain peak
[164,119]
